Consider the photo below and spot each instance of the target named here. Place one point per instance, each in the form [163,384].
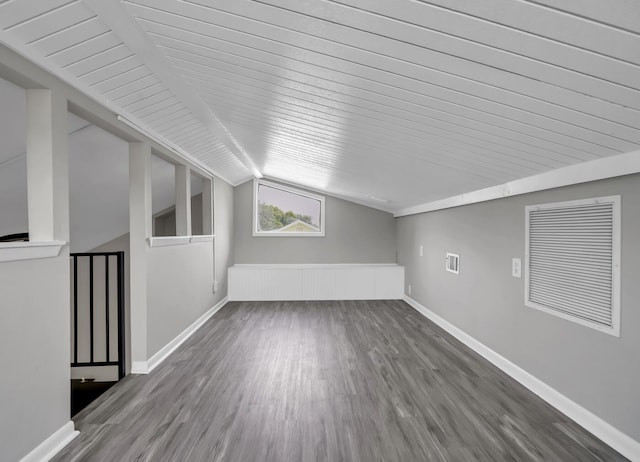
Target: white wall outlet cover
[516,267]
[421,251]
[409,289]
[215,286]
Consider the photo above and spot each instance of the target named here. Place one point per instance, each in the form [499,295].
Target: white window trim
[165,241]
[257,233]
[615,285]
[31,250]
[200,238]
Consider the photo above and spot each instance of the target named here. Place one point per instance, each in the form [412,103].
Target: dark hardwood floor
[325,381]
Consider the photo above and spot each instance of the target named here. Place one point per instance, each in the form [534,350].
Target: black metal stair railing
[87,306]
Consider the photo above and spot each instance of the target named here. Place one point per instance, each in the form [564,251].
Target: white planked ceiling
[390,103]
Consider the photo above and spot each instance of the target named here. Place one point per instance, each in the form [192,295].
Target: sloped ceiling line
[116,17]
[57,36]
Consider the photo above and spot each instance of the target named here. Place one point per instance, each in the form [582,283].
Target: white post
[139,231]
[183,200]
[207,206]
[47,166]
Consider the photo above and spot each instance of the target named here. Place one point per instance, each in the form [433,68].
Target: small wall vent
[453,263]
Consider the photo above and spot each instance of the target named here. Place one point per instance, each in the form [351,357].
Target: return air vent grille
[572,261]
[453,263]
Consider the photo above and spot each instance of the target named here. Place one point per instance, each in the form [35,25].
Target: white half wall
[316,282]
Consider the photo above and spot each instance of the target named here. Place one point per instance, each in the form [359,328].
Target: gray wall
[353,234]
[224,228]
[34,352]
[179,290]
[180,278]
[598,371]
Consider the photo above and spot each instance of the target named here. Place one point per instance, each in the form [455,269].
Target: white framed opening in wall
[284,211]
[572,261]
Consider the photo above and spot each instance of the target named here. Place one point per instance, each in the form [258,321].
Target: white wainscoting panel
[356,283]
[316,282]
[319,284]
[389,283]
[264,283]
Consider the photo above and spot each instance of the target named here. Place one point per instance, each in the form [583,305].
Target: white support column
[207,206]
[183,200]
[139,231]
[47,166]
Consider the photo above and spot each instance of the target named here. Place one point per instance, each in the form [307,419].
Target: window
[572,261]
[197,228]
[14,224]
[163,197]
[283,211]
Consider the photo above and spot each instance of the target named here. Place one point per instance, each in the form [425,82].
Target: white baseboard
[52,445]
[618,440]
[145,367]
[139,367]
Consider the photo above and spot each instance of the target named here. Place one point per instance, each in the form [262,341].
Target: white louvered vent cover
[573,261]
[452,263]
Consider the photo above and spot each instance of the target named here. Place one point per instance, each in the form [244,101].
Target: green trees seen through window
[272,217]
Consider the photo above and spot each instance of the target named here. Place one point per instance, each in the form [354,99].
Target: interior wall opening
[163,201]
[14,212]
[99,260]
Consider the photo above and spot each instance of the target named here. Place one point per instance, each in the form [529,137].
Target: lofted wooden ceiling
[388,103]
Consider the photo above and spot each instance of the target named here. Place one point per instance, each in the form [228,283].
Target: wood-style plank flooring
[325,381]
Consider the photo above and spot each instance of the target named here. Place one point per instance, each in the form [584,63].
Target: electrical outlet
[215,286]
[516,267]
[421,251]
[409,289]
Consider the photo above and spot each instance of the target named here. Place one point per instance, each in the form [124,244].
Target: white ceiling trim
[598,169]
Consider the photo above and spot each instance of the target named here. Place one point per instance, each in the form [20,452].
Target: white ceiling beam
[598,169]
